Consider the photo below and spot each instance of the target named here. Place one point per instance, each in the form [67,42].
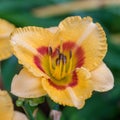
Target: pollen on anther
[57,61]
[64,59]
[61,56]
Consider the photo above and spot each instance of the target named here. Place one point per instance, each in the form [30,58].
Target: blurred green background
[101,106]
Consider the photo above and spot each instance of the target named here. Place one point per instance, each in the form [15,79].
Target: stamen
[60,67]
[61,56]
[50,64]
[63,71]
[57,51]
[57,61]
[57,70]
[50,61]
[63,64]
[64,59]
[49,51]
[70,54]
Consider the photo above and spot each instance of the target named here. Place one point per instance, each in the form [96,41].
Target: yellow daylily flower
[6,108]
[65,62]
[6,29]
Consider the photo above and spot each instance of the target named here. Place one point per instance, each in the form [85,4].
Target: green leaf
[113,57]
[9,68]
[52,104]
[40,116]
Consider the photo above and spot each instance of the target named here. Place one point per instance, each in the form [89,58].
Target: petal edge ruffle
[71,95]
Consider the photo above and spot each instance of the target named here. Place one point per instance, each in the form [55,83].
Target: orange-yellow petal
[55,42]
[72,95]
[19,116]
[53,29]
[6,29]
[90,36]
[6,106]
[70,29]
[102,78]
[5,48]
[26,85]
[26,43]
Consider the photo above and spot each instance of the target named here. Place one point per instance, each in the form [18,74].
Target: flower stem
[28,111]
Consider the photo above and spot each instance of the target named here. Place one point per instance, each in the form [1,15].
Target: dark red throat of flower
[61,62]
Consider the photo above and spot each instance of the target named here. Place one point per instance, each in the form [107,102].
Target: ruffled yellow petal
[26,43]
[55,42]
[6,29]
[71,95]
[19,116]
[88,35]
[26,85]
[95,48]
[70,29]
[5,48]
[53,29]
[102,78]
[6,106]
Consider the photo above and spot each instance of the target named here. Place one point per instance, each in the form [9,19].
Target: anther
[70,54]
[61,56]
[49,50]
[57,61]
[64,59]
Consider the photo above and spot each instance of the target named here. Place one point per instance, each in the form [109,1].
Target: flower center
[63,64]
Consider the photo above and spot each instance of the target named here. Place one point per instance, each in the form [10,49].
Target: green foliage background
[101,106]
